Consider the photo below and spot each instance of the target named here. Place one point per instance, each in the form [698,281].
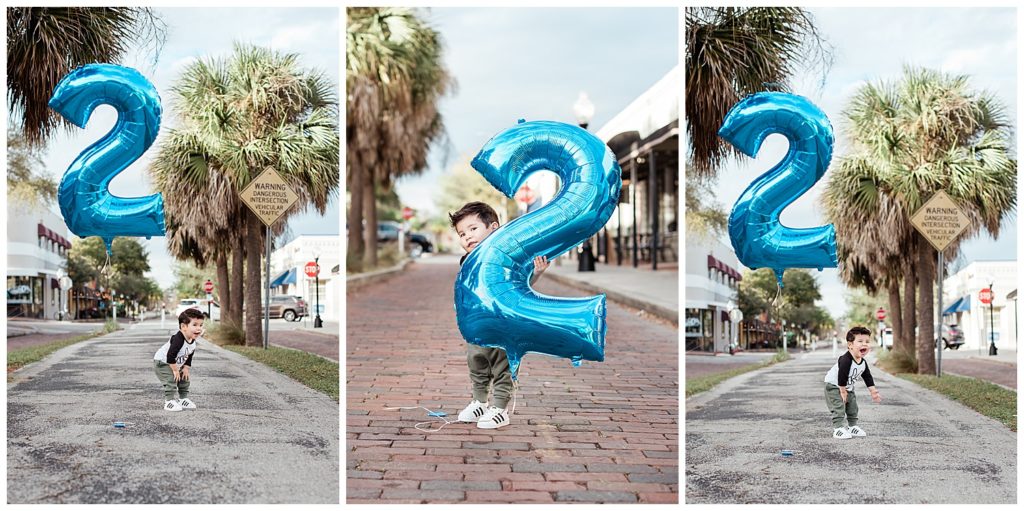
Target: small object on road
[122,425]
[787,453]
[437,414]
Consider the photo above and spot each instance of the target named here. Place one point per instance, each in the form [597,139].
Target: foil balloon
[88,207]
[758,238]
[494,303]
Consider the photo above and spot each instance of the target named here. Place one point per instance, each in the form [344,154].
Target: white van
[886,340]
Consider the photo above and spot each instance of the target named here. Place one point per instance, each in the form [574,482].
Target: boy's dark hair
[188,315]
[486,213]
[855,331]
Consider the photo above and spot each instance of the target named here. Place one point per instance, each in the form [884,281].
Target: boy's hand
[842,393]
[875,396]
[540,263]
[184,373]
[177,375]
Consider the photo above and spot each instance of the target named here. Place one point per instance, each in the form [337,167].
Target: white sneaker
[187,404]
[841,434]
[856,431]
[172,406]
[494,418]
[473,412]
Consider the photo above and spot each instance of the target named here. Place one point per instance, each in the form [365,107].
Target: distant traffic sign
[985,296]
[408,213]
[880,314]
[208,287]
[312,269]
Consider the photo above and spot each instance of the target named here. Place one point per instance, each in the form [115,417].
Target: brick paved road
[603,432]
[996,372]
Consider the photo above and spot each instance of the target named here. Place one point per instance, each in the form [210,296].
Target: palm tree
[45,43]
[395,77]
[928,132]
[732,52]
[253,111]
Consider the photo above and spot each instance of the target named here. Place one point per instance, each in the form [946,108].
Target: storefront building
[983,323]
[287,267]
[37,245]
[712,280]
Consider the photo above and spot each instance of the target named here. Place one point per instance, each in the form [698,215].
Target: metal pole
[938,343]
[655,209]
[991,322]
[266,298]
[317,323]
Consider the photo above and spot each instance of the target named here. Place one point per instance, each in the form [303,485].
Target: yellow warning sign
[268,196]
[940,220]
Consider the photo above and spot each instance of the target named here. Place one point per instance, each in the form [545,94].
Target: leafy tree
[44,44]
[25,182]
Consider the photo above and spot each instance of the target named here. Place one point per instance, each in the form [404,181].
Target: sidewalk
[257,437]
[655,292]
[602,432]
[1000,369]
[921,448]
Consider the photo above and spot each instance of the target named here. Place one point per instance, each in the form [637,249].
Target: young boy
[839,381]
[173,361]
[474,222]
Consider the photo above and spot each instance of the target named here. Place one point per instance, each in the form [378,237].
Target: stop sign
[985,296]
[312,269]
[880,314]
[407,213]
[208,286]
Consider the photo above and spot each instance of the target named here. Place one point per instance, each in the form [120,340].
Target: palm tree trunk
[224,284]
[896,314]
[910,310]
[253,306]
[926,278]
[237,284]
[370,213]
[355,219]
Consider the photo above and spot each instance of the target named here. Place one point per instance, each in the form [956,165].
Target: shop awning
[961,305]
[286,277]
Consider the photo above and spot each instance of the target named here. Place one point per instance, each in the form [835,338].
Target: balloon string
[419,425]
[778,294]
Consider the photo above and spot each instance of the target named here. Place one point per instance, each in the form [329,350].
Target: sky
[192,33]
[513,63]
[872,44]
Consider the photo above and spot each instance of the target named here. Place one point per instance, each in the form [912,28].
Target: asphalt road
[257,437]
[921,448]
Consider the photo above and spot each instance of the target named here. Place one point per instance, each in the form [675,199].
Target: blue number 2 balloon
[757,236]
[88,207]
[494,303]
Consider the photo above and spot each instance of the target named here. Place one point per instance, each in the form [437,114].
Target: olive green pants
[841,411]
[171,387]
[487,366]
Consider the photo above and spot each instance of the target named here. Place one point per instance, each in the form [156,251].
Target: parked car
[201,305]
[416,243]
[289,307]
[886,340]
[952,337]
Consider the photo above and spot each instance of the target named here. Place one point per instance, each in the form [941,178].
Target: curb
[373,277]
[664,313]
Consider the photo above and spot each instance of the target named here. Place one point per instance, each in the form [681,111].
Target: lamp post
[583,108]
[317,322]
[992,351]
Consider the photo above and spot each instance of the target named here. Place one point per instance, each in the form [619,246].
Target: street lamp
[317,322]
[583,108]
[991,322]
[735,317]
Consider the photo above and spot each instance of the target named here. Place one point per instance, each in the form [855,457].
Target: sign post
[313,271]
[208,287]
[985,296]
[268,196]
[940,221]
